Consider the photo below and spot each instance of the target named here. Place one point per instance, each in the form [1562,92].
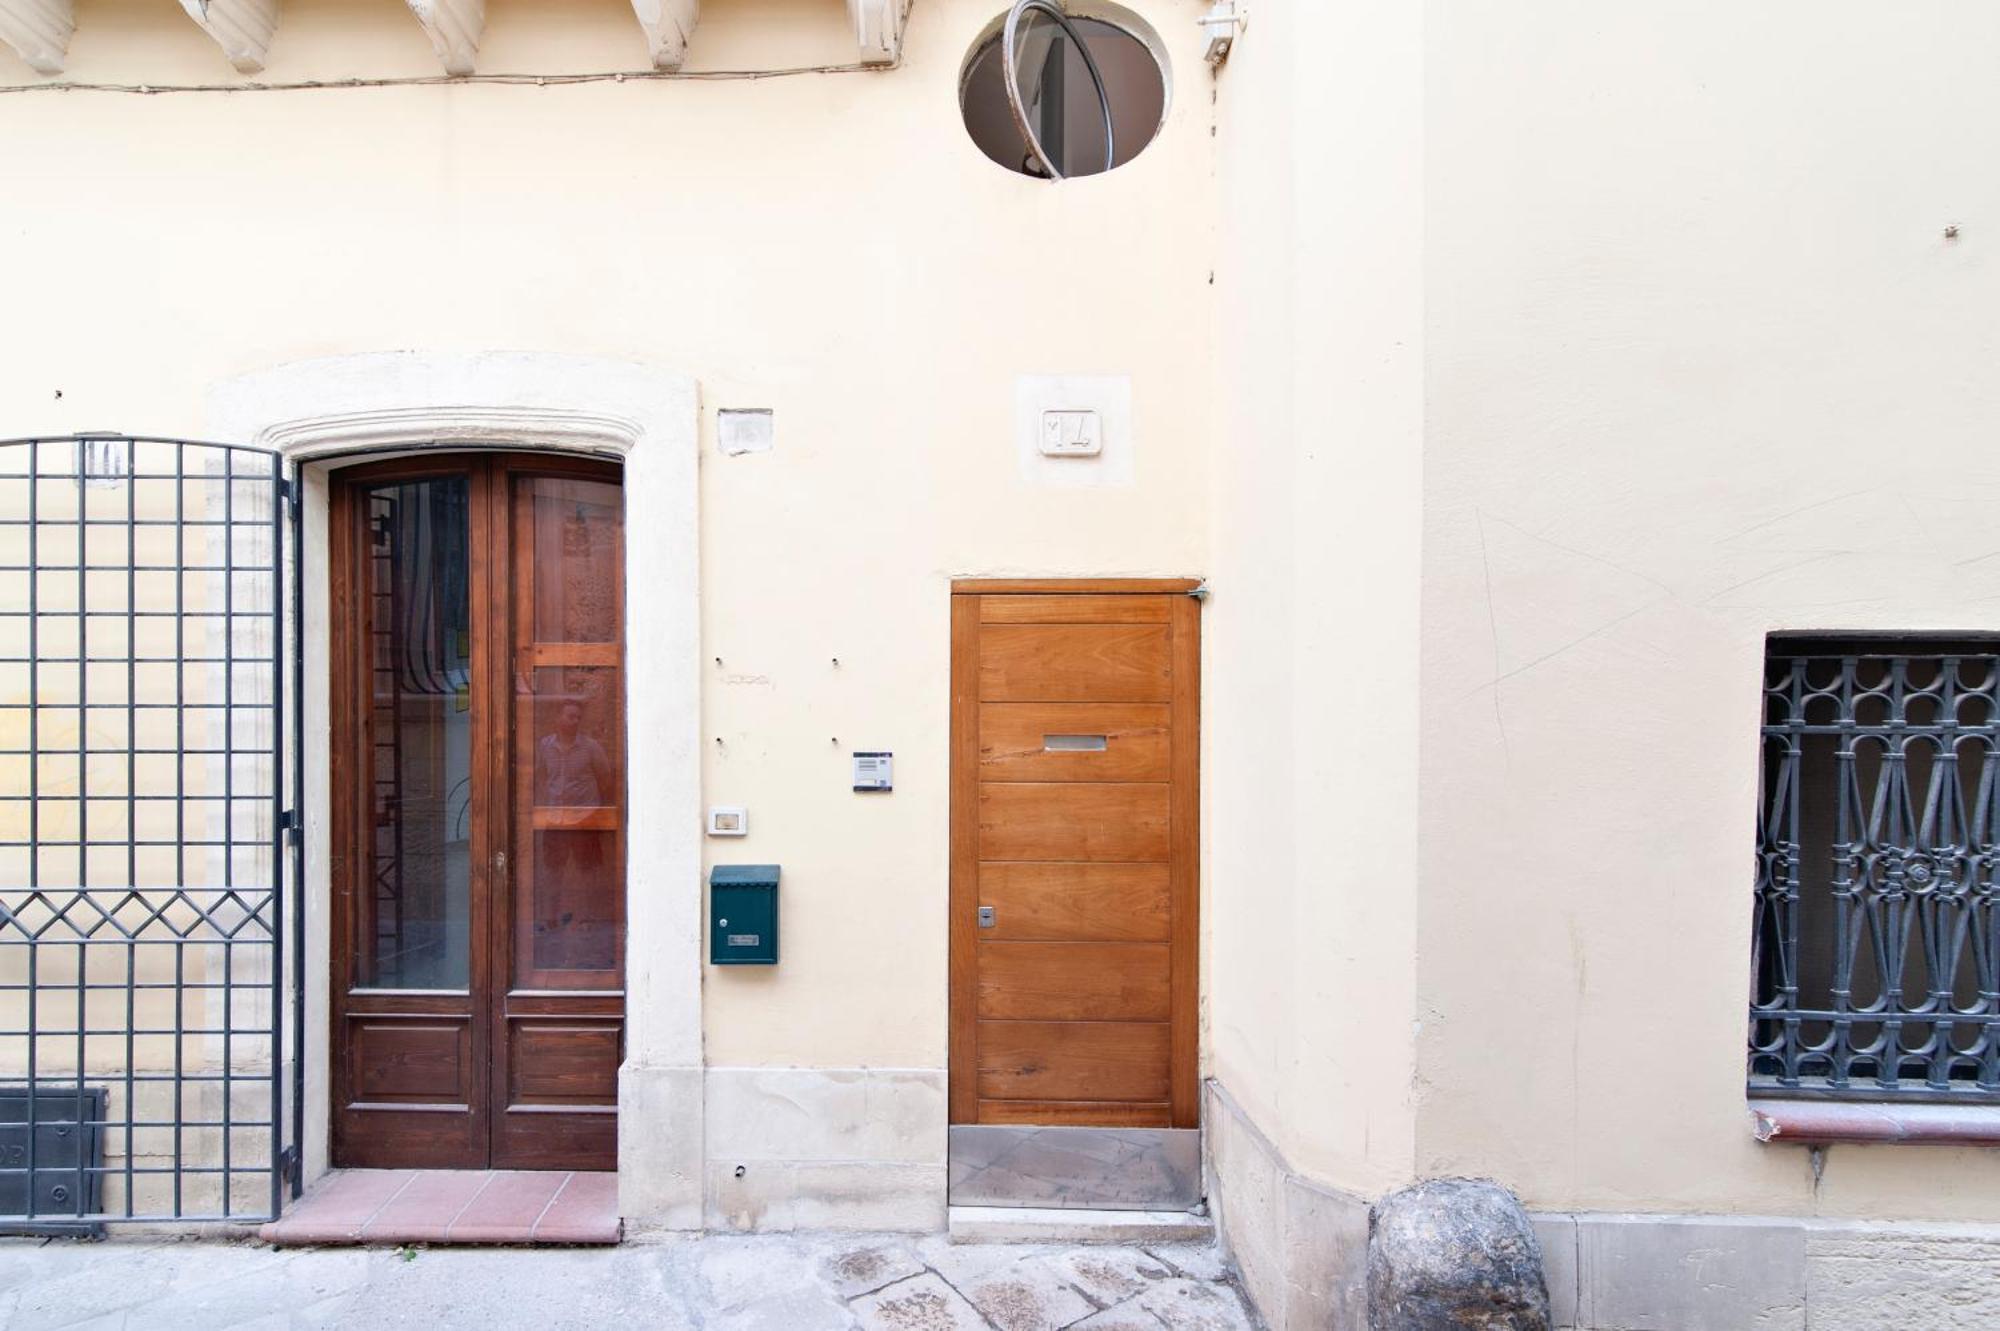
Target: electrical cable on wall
[459,80]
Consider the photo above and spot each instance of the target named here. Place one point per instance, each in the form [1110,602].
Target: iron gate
[150,1014]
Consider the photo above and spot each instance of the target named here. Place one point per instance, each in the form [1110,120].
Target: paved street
[752,1283]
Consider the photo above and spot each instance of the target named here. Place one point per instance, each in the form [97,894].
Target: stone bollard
[1453,1254]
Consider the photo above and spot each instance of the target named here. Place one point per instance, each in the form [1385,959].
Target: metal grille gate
[150,1014]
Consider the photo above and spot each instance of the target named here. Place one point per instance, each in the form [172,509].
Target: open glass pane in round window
[1086,93]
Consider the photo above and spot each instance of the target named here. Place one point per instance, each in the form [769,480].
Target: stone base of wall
[659,1147]
[824,1148]
[1301,1248]
[1302,1251]
[1693,1273]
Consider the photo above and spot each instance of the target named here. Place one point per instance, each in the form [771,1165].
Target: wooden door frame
[1184,829]
[490,946]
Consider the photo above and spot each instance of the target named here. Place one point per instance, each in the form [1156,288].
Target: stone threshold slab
[474,1206]
[1029,1224]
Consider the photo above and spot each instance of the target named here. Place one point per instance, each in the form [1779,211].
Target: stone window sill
[1823,1122]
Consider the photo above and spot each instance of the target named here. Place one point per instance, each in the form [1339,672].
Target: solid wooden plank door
[1074,872]
[560,954]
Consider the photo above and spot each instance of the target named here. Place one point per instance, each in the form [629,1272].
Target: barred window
[1877,938]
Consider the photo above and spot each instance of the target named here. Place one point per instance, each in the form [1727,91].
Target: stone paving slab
[790,1282]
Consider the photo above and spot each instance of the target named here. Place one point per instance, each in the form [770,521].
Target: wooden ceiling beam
[242,28]
[454,27]
[878,29]
[39,31]
[668,25]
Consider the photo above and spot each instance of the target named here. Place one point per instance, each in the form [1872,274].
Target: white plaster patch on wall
[777,1196]
[825,1148]
[1108,397]
[826,1114]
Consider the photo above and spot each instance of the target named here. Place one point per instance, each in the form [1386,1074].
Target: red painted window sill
[1822,1122]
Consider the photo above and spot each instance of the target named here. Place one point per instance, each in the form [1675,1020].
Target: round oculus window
[1052,94]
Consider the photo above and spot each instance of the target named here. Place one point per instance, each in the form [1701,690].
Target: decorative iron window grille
[149,1001]
[1877,924]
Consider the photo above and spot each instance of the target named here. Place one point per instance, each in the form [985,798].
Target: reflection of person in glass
[572,931]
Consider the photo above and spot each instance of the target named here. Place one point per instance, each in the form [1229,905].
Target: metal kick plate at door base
[986,920]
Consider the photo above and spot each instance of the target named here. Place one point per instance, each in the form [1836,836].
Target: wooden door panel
[559,959]
[564,1062]
[1074,981]
[409,1042]
[418,1060]
[409,1093]
[1075,663]
[371,1136]
[538,655]
[560,1003]
[1077,902]
[1076,1113]
[1075,804]
[548,1137]
[1075,742]
[1095,1060]
[1075,609]
[1073,821]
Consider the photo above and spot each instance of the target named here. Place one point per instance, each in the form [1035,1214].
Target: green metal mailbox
[743,915]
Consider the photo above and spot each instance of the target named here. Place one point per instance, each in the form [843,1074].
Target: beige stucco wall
[1604,341]
[830,246]
[1694,362]
[1700,365]
[1311,776]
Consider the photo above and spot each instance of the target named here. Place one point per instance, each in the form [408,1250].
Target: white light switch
[1072,434]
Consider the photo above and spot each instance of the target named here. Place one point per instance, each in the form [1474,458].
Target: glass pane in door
[413,922]
[568,743]
[577,538]
[576,871]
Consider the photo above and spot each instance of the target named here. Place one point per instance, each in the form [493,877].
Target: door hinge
[1199,592]
[291,825]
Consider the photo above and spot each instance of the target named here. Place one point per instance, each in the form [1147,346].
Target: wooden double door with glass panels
[478,847]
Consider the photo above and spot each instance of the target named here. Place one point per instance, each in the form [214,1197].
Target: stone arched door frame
[322,413]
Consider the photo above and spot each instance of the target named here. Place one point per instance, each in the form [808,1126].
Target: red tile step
[497,1206]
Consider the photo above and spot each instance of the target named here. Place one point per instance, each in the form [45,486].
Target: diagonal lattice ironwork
[186,914]
[1877,916]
